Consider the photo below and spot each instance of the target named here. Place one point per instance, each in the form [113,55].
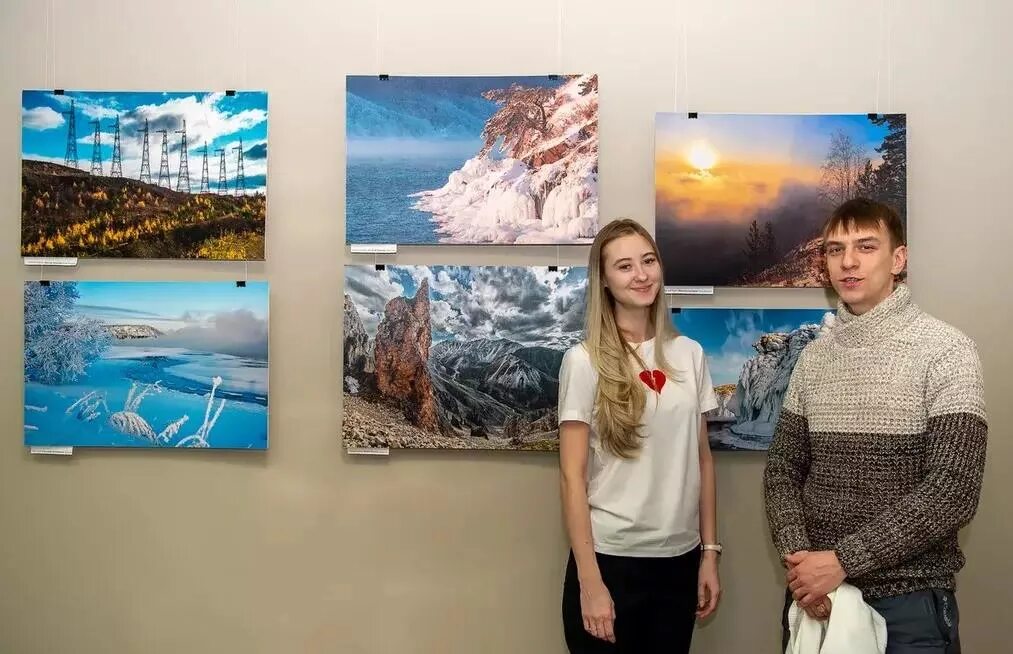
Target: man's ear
[899,260]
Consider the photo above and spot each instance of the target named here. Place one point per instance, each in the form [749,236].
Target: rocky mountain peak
[401,357]
[356,347]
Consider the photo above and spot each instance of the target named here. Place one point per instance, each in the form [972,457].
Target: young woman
[637,475]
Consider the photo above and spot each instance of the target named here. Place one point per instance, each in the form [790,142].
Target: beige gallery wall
[306,549]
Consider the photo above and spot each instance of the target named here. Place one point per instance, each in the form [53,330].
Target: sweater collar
[878,323]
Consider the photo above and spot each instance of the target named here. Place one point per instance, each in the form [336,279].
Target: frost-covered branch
[200,438]
[88,406]
[59,346]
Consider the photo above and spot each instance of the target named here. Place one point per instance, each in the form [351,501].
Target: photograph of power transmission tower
[471,160]
[146,175]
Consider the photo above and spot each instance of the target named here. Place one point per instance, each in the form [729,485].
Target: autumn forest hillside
[67,212]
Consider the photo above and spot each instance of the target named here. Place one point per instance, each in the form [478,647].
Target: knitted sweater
[879,450]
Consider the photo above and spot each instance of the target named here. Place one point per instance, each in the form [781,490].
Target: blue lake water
[185,378]
[378,197]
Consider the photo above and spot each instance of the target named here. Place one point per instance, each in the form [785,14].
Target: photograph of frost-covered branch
[146,364]
[151,175]
[740,199]
[751,354]
[472,160]
[457,357]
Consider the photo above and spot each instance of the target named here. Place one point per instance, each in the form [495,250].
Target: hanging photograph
[144,175]
[740,199]
[146,364]
[751,354]
[472,160]
[457,357]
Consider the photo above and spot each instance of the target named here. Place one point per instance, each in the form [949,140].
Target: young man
[879,452]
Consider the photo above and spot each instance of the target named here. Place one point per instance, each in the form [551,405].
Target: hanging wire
[889,57]
[45,70]
[685,61]
[379,61]
[242,49]
[559,37]
[675,94]
[879,59]
[235,20]
[52,41]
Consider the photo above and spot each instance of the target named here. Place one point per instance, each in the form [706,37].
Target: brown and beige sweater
[879,450]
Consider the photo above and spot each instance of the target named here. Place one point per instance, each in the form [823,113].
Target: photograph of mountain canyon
[456,357]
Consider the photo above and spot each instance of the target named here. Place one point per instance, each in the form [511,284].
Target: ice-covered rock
[544,191]
[760,391]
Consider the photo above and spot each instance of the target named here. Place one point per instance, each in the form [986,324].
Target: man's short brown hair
[863,213]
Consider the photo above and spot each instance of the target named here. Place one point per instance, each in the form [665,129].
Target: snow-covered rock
[124,332]
[546,191]
[764,379]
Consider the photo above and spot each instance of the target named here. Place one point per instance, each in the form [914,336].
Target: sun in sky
[702,156]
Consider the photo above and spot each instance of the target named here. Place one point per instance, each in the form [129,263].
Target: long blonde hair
[620,397]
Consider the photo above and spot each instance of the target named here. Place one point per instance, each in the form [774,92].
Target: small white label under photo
[50,261]
[375,451]
[689,290]
[374,248]
[51,449]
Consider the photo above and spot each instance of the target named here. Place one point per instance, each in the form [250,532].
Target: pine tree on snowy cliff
[58,346]
[520,121]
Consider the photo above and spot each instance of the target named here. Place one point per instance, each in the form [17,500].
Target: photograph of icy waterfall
[146,364]
[457,357]
[751,354]
[471,160]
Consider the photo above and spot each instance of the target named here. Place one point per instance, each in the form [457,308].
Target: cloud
[205,122]
[570,302]
[369,291]
[550,278]
[197,316]
[743,330]
[520,304]
[87,106]
[41,118]
[443,283]
[205,119]
[444,317]
[239,333]
[726,367]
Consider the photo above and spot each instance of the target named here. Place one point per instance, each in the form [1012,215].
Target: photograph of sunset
[740,199]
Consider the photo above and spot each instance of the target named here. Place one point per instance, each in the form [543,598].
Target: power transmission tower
[117,168]
[240,176]
[223,186]
[204,171]
[145,157]
[96,149]
[163,168]
[70,159]
[183,177]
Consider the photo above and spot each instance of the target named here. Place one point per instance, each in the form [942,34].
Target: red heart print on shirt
[655,379]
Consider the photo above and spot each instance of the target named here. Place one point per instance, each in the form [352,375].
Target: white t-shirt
[648,505]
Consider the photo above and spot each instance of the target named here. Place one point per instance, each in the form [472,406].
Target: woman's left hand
[708,585]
